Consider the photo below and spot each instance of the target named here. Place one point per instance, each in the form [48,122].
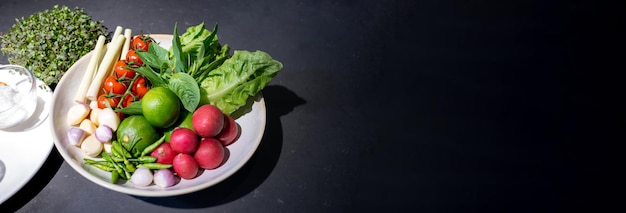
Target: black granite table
[399,105]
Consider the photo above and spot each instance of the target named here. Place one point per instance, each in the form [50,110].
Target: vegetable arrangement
[151,115]
[50,41]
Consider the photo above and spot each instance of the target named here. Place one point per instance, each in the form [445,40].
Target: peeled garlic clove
[88,126]
[93,105]
[108,117]
[77,114]
[91,146]
[107,147]
[93,116]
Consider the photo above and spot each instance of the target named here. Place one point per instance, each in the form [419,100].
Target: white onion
[75,136]
[164,178]
[104,133]
[141,177]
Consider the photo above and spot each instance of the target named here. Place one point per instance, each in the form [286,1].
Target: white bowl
[252,126]
[18,95]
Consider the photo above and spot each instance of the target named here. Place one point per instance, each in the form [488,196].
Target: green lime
[135,133]
[160,106]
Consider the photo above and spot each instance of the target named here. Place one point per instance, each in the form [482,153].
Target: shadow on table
[279,101]
[36,184]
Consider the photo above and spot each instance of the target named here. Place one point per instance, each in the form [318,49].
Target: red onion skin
[108,133]
[75,135]
[164,178]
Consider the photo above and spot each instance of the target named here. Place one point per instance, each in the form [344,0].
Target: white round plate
[24,148]
[252,126]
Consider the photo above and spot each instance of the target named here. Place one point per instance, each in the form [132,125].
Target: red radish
[210,153]
[229,132]
[207,120]
[185,166]
[164,153]
[184,140]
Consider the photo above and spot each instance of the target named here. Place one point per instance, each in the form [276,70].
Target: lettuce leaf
[193,38]
[239,77]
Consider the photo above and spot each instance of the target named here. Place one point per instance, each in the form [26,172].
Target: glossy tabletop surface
[394,106]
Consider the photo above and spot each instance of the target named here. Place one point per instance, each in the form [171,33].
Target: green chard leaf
[187,90]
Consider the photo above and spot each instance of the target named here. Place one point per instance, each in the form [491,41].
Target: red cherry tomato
[141,42]
[120,115]
[133,59]
[129,99]
[105,101]
[113,86]
[122,70]
[139,88]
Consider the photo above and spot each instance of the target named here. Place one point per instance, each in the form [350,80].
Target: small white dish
[24,148]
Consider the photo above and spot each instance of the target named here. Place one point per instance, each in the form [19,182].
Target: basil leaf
[187,90]
[155,56]
[132,109]
[148,58]
[152,76]
[179,60]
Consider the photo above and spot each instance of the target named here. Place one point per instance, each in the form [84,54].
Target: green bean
[128,174]
[143,159]
[120,172]
[155,165]
[89,161]
[117,158]
[152,146]
[101,163]
[129,166]
[115,153]
[98,162]
[106,156]
[103,167]
[119,148]
[126,167]
[114,176]
[120,169]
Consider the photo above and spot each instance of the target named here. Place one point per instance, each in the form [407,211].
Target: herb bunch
[50,41]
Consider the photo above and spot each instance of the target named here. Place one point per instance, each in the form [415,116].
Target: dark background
[418,106]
